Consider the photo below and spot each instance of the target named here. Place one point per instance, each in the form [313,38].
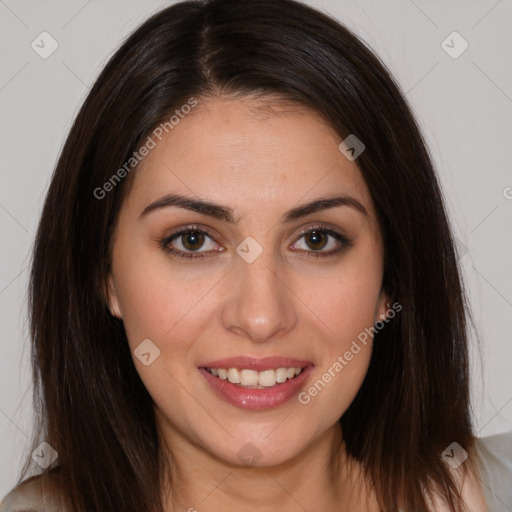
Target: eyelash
[175,253]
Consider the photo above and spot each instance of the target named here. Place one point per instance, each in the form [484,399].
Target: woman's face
[251,286]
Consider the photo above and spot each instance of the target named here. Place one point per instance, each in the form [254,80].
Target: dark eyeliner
[345,243]
[164,244]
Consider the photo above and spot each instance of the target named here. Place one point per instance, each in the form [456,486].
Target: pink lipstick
[256,383]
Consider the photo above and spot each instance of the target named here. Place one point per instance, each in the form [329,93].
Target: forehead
[247,153]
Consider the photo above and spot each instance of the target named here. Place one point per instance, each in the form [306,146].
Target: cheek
[346,307]
[330,394]
[345,299]
[345,351]
[159,302]
[346,304]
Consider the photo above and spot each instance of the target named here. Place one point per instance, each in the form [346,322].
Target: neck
[316,479]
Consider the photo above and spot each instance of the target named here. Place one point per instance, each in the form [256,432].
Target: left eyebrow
[225,213]
[324,204]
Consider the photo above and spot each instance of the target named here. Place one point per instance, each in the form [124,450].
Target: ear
[383,307]
[112,301]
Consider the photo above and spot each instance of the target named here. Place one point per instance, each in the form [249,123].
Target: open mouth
[252,379]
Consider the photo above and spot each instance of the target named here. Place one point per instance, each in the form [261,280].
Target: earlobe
[112,301]
[383,307]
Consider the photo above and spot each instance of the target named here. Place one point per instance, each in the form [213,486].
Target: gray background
[464,106]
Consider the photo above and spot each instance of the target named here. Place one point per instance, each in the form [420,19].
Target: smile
[252,379]
[258,384]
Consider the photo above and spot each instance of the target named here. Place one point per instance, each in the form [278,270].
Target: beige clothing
[29,496]
[496,471]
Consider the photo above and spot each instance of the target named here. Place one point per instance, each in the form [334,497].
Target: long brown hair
[93,408]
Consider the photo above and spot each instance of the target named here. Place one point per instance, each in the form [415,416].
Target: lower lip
[256,399]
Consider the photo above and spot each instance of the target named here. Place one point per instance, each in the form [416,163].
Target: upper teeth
[266,378]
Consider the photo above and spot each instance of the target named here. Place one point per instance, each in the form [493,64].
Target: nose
[260,304]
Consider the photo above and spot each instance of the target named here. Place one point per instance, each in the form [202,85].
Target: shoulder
[39,493]
[486,485]
[494,459]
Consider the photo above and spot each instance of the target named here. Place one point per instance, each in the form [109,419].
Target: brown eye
[316,239]
[192,240]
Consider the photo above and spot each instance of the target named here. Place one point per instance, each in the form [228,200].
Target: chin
[257,452]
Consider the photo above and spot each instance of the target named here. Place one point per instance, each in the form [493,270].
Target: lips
[256,397]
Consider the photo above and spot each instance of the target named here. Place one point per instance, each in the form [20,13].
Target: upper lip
[256,364]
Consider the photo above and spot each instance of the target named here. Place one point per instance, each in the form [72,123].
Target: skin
[260,163]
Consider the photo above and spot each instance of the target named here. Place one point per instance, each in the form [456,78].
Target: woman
[244,289]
